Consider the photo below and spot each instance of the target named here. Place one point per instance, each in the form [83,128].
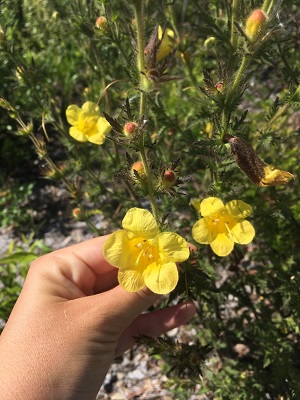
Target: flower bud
[76,212]
[169,179]
[138,166]
[101,23]
[255,24]
[130,128]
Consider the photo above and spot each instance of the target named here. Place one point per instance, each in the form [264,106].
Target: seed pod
[257,171]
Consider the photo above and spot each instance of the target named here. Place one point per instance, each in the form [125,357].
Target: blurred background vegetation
[52,55]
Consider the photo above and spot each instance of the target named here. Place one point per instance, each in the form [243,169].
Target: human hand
[70,322]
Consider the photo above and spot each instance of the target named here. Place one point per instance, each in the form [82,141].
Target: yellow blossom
[222,225]
[167,43]
[144,255]
[87,124]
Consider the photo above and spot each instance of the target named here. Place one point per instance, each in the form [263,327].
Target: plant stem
[234,17]
[149,182]
[237,81]
[139,16]
[267,5]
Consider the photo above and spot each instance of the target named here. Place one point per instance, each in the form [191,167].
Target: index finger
[90,254]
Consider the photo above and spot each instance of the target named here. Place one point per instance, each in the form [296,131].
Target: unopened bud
[186,57]
[130,128]
[169,179]
[138,166]
[101,23]
[255,24]
[76,212]
[219,86]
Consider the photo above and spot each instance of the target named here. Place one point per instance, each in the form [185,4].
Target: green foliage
[214,84]
[13,201]
[13,269]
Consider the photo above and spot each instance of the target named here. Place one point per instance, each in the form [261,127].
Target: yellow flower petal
[274,177]
[196,204]
[97,138]
[161,278]
[201,233]
[116,250]
[141,223]
[131,280]
[172,247]
[103,126]
[167,43]
[210,205]
[72,114]
[91,109]
[222,245]
[76,134]
[243,232]
[239,209]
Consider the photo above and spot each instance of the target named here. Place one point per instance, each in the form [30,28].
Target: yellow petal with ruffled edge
[201,233]
[210,205]
[72,114]
[171,247]
[97,138]
[161,278]
[222,245]
[141,223]
[103,126]
[131,280]
[243,232]
[76,134]
[117,250]
[238,209]
[90,109]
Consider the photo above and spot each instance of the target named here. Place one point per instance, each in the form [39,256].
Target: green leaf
[19,257]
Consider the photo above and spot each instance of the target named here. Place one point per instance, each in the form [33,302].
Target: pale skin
[71,320]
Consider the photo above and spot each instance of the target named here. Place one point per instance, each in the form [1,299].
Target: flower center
[221,222]
[145,253]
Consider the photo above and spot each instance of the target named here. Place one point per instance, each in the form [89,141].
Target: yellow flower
[144,255]
[167,43]
[87,124]
[222,225]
